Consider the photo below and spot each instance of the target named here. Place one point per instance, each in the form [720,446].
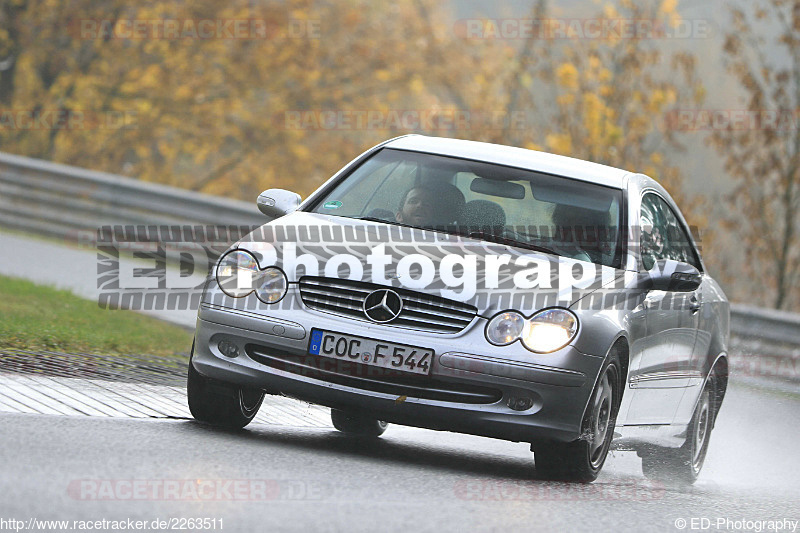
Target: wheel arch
[718,375]
[621,347]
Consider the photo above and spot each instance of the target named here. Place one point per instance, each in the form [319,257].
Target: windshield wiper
[377,219]
[484,235]
[403,224]
[500,239]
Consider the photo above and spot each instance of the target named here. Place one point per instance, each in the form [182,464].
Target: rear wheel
[682,465]
[357,424]
[221,404]
[582,460]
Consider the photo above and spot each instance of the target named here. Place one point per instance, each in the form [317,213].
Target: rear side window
[662,236]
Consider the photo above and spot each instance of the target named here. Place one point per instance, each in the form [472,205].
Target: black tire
[681,466]
[221,404]
[357,424]
[582,460]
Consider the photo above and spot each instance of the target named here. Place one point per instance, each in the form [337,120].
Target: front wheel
[582,460]
[682,465]
[221,404]
[357,424]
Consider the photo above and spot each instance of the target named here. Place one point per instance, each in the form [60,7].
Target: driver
[416,207]
[436,205]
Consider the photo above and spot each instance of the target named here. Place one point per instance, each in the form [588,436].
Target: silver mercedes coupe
[476,288]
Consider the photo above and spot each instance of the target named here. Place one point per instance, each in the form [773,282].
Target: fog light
[228,348]
[520,404]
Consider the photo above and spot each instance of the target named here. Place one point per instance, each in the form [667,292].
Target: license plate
[398,357]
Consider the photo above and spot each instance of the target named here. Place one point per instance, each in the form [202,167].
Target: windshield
[495,203]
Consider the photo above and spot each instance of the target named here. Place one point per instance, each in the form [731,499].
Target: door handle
[694,304]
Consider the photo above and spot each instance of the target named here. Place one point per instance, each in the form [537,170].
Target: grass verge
[35,317]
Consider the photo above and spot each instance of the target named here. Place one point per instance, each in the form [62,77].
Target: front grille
[356,375]
[420,311]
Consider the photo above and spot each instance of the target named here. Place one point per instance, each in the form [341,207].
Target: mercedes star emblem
[383,305]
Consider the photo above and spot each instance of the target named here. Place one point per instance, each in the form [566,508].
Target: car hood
[429,262]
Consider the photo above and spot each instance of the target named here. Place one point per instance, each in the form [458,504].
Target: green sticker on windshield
[332,205]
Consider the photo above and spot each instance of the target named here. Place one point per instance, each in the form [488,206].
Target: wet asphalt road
[304,476]
[283,477]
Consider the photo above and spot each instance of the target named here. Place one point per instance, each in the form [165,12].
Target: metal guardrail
[765,343]
[63,201]
[767,324]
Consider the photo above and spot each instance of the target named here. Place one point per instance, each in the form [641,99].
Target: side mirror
[671,275]
[278,202]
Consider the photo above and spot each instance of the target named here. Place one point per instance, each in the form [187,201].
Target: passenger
[581,233]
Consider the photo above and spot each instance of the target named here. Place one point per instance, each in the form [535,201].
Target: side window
[662,236]
[679,244]
[653,245]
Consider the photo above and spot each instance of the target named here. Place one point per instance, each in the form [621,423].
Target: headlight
[271,285]
[549,330]
[546,331]
[505,328]
[238,274]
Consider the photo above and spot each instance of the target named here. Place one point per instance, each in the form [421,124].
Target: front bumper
[470,388]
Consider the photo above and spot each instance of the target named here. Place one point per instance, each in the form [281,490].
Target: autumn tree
[10,28]
[603,98]
[216,115]
[233,116]
[224,115]
[762,150]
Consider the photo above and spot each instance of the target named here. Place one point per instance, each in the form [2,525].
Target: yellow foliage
[416,85]
[300,151]
[657,100]
[567,75]
[610,11]
[533,146]
[565,99]
[236,116]
[559,143]
[668,7]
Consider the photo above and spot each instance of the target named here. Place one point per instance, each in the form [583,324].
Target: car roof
[514,157]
